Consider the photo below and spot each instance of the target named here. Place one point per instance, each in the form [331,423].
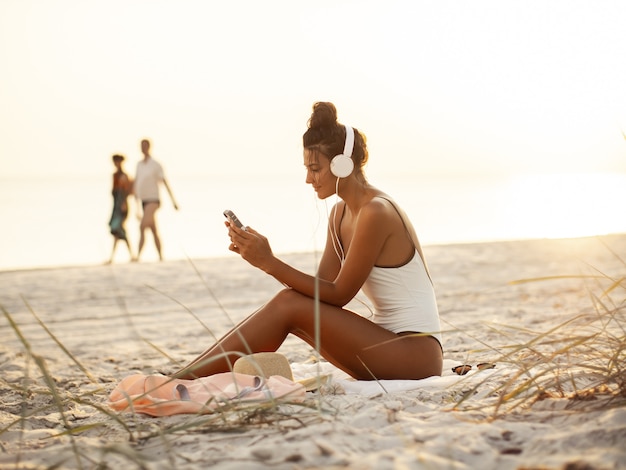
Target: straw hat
[265,364]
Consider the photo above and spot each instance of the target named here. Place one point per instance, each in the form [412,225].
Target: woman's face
[318,173]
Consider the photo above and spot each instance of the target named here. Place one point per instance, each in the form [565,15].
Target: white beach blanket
[372,388]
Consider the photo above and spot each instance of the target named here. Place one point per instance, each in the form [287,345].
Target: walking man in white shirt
[146,187]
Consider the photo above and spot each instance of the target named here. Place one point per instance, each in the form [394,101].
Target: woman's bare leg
[115,239]
[354,344]
[130,250]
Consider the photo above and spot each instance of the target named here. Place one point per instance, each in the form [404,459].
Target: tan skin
[148,219]
[372,234]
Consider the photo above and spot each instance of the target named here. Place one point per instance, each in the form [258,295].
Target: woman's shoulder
[381,202]
[383,209]
[379,209]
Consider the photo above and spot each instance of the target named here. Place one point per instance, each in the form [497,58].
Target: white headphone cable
[334,231]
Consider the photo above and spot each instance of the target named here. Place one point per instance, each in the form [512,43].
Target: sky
[438,87]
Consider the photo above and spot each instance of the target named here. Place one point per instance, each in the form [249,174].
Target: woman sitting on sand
[371,245]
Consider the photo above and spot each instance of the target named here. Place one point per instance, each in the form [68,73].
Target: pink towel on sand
[158,395]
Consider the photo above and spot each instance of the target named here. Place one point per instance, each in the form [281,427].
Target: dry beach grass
[549,313]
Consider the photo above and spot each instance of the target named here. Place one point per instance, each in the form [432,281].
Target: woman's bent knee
[289,305]
[288,297]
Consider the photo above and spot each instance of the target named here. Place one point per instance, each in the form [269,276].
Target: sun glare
[567,205]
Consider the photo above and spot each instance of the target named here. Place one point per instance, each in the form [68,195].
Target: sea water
[64,221]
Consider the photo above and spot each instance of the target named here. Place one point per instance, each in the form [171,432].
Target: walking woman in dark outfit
[122,187]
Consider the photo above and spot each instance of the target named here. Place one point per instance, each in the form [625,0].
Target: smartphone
[230,215]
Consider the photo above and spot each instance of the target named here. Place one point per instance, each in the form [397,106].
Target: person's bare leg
[157,241]
[130,250]
[141,239]
[367,352]
[148,222]
[115,239]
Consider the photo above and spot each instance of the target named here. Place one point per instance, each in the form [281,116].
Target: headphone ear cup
[341,166]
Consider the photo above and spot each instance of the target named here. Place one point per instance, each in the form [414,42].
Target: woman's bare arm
[370,234]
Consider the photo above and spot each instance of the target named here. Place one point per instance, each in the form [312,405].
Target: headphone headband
[342,165]
[349,144]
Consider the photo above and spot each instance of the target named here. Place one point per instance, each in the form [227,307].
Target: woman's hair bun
[324,115]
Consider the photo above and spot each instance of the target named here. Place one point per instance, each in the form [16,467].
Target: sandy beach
[555,400]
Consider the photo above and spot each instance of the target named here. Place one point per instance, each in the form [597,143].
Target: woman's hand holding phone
[248,243]
[233,219]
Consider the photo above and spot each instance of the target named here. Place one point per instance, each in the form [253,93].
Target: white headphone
[342,165]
